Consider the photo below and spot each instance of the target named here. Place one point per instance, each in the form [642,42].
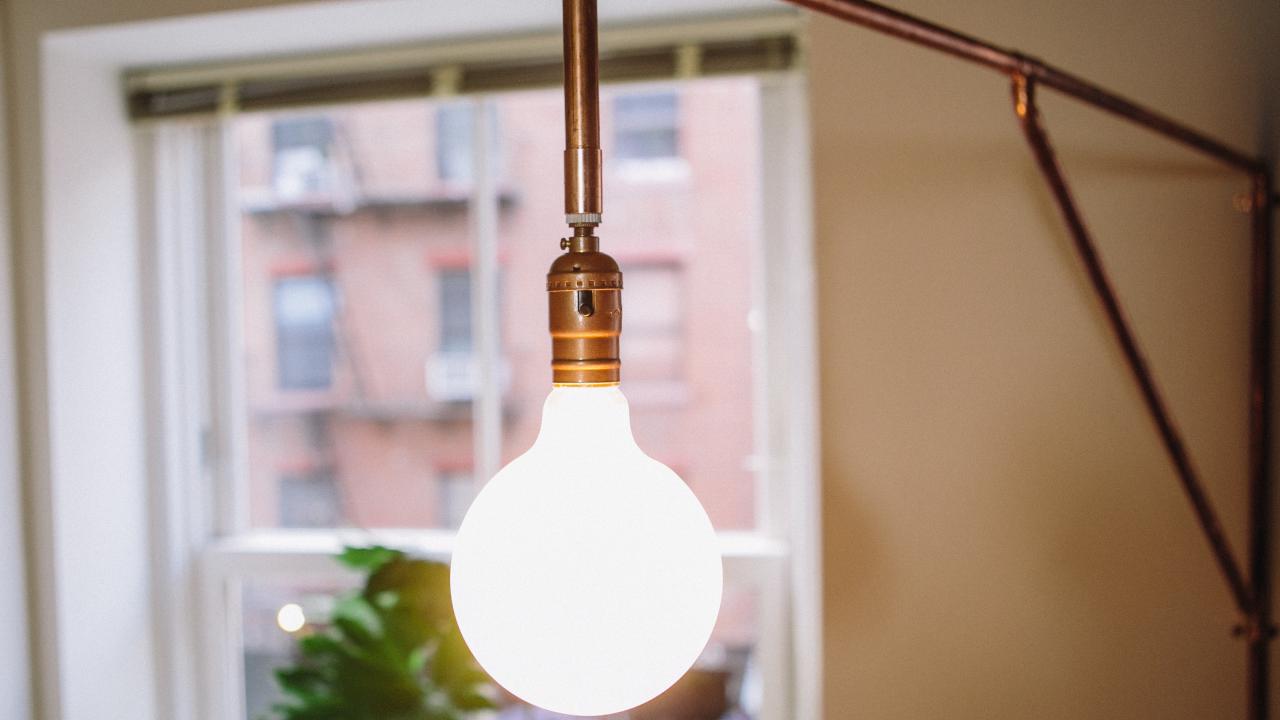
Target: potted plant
[391,651]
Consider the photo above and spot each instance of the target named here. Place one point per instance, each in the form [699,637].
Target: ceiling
[292,28]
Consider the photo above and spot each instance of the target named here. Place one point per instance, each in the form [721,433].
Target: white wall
[15,681]
[95,397]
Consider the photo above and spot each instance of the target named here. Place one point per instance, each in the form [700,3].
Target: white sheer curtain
[187,238]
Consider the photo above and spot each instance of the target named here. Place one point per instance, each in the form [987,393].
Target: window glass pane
[358,305]
[310,499]
[275,617]
[455,310]
[646,125]
[724,683]
[301,155]
[684,239]
[457,490]
[654,338]
[304,311]
[454,154]
[357,321]
[453,142]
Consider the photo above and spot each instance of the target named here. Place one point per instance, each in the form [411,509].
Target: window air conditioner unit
[455,376]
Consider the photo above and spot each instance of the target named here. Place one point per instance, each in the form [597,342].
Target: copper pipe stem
[1029,117]
[584,286]
[583,192]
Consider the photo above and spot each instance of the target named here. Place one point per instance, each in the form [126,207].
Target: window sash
[764,557]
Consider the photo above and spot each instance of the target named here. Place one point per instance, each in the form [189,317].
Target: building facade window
[310,499]
[654,341]
[304,308]
[455,491]
[455,152]
[646,126]
[453,143]
[455,310]
[302,149]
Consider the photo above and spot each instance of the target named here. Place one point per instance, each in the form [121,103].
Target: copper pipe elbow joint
[584,289]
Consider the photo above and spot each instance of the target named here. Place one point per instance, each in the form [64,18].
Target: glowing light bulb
[586,577]
[291,619]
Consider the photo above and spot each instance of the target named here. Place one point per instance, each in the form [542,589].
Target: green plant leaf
[319,645]
[392,652]
[386,599]
[472,700]
[368,559]
[301,681]
[418,659]
[357,618]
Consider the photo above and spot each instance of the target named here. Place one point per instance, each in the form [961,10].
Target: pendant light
[586,577]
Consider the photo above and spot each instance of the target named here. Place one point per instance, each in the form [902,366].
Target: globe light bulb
[586,577]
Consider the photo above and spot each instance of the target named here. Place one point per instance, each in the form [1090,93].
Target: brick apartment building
[357,304]
[357,296]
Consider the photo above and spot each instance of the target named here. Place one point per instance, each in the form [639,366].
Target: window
[453,143]
[646,126]
[455,311]
[457,489]
[304,311]
[453,370]
[653,340]
[309,500]
[392,453]
[454,149]
[301,154]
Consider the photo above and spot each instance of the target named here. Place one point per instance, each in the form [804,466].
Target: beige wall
[1003,536]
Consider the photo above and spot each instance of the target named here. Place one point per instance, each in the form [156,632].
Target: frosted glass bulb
[586,577]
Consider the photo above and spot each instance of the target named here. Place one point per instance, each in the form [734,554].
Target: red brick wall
[387,439]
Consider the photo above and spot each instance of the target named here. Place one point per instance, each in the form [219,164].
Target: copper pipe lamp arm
[583,191]
[915,30]
[1024,104]
[584,285]
[1252,594]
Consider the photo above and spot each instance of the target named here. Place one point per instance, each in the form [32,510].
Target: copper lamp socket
[584,289]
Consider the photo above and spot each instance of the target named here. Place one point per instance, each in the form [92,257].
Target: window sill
[265,202]
[442,411]
[267,552]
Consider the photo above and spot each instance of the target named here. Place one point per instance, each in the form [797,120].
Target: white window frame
[775,562]
[15,681]
[157,545]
